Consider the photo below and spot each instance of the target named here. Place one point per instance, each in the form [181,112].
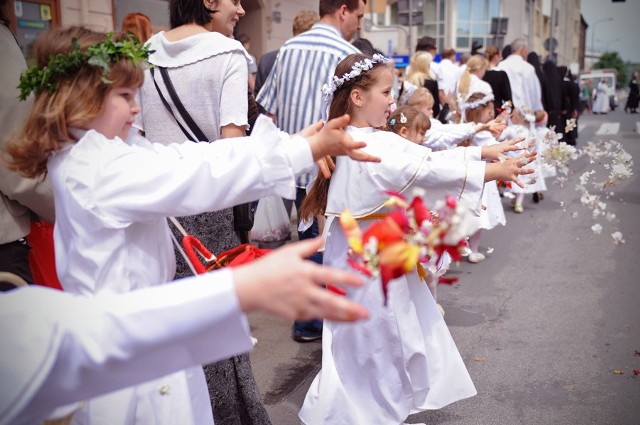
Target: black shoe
[536,198]
[306,334]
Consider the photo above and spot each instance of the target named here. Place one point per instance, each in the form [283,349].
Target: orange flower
[352,231]
[400,255]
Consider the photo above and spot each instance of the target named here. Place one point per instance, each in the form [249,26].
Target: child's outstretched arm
[331,140]
[283,283]
[494,152]
[509,169]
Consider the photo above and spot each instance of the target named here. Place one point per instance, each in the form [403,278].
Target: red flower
[420,211]
[385,231]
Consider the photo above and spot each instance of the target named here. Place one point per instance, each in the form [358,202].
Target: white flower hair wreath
[336,82]
[464,105]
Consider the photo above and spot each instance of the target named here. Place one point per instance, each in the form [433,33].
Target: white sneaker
[476,257]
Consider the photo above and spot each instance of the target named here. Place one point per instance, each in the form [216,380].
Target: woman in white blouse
[209,72]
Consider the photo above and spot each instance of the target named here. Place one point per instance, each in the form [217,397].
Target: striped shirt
[293,90]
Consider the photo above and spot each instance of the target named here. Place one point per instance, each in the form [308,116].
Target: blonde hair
[137,24]
[77,99]
[476,63]
[420,68]
[421,97]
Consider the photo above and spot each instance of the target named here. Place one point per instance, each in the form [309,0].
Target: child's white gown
[493,213]
[403,359]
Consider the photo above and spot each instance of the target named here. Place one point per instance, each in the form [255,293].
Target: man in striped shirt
[292,92]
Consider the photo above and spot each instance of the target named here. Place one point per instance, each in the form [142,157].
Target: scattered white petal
[597,229]
[489,250]
[617,238]
[562,204]
[574,214]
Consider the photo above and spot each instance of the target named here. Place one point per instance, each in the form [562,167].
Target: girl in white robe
[114,189]
[403,359]
[523,125]
[478,108]
[441,136]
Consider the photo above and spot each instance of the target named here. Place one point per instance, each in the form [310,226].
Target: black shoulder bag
[242,214]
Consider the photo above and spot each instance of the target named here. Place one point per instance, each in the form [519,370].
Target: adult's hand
[284,284]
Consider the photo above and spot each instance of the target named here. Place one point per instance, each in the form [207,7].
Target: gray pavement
[542,323]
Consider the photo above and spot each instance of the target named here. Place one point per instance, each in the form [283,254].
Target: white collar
[195,48]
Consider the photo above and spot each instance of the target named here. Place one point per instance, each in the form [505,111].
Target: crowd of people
[117,133]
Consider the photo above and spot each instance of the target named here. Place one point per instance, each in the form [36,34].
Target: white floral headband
[336,82]
[464,105]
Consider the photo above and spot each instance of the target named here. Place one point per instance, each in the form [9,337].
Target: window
[473,22]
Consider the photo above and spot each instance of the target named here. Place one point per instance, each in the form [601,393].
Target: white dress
[601,103]
[492,212]
[446,136]
[532,182]
[112,198]
[403,359]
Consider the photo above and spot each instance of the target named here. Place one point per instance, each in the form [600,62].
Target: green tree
[612,60]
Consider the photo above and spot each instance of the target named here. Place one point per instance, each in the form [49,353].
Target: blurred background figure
[634,94]
[301,23]
[137,24]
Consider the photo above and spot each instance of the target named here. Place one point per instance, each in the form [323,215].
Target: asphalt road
[544,323]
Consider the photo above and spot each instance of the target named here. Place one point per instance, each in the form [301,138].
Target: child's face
[415,136]
[118,112]
[487,114]
[427,108]
[377,101]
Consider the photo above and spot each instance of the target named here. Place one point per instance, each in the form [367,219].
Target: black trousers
[14,258]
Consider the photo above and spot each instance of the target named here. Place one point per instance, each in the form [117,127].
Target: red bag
[203,260]
[42,257]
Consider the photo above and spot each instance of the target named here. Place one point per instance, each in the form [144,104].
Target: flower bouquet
[410,234]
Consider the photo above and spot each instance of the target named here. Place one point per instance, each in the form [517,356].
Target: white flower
[574,214]
[617,238]
[610,216]
[570,125]
[597,228]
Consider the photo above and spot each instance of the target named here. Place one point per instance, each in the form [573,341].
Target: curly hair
[77,100]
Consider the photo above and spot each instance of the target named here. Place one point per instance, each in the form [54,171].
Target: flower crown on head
[464,105]
[356,70]
[38,80]
[336,82]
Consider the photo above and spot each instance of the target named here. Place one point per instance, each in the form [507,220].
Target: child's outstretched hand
[283,283]
[496,126]
[508,169]
[332,140]
[494,152]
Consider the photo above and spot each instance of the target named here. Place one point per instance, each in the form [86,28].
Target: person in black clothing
[555,84]
[497,79]
[570,103]
[545,88]
[634,94]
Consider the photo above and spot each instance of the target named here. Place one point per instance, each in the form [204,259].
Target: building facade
[460,24]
